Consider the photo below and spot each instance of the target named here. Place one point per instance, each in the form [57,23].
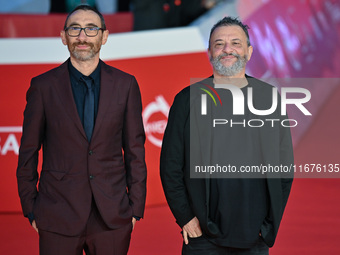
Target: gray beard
[82,57]
[231,70]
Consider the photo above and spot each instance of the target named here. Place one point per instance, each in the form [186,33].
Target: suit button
[90,152]
[91,177]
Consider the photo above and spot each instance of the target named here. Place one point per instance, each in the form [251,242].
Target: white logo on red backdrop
[155,118]
[8,140]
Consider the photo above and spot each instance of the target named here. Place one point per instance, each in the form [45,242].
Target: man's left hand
[133,222]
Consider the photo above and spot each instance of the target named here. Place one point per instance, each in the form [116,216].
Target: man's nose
[82,35]
[228,48]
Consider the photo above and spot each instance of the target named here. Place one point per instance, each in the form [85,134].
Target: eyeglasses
[89,31]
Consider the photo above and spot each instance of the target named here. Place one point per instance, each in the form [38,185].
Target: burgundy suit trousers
[96,239]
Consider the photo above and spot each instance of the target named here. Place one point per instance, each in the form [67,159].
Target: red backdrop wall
[300,39]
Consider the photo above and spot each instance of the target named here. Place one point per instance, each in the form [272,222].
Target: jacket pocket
[56,174]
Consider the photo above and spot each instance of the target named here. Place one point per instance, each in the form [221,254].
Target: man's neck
[238,80]
[85,67]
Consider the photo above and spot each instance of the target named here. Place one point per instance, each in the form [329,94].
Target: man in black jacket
[219,154]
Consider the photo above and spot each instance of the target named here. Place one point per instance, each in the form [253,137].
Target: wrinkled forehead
[228,32]
[84,18]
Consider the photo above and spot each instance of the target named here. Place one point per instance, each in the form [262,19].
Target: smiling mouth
[82,46]
[228,57]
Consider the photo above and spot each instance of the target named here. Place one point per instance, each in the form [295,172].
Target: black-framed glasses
[89,31]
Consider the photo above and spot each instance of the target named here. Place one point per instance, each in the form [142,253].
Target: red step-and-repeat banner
[290,38]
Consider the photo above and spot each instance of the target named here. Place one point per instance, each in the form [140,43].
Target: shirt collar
[95,75]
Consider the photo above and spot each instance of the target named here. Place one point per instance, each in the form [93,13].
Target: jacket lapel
[64,91]
[108,95]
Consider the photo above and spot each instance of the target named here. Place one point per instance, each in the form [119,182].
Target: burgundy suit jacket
[111,168]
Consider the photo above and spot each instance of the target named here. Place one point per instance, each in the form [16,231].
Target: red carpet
[310,226]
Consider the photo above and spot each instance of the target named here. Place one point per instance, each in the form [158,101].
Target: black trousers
[201,246]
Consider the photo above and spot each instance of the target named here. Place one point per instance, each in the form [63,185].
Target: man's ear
[63,37]
[105,36]
[250,52]
[209,53]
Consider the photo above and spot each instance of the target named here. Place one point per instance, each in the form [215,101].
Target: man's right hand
[34,225]
[191,229]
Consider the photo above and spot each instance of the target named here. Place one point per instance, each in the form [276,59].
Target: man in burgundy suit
[86,115]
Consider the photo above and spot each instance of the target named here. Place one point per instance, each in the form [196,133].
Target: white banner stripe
[158,42]
[17,129]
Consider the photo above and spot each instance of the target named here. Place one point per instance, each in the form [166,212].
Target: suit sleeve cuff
[30,217]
